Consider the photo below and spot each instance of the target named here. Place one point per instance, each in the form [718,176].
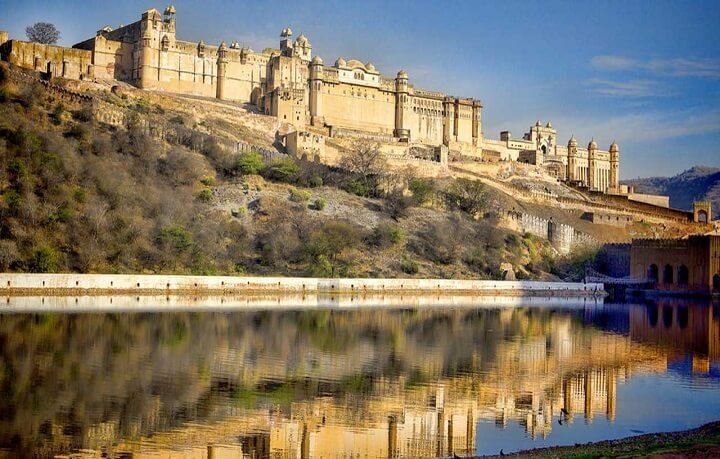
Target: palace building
[348,98]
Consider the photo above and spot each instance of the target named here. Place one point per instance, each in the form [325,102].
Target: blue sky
[646,74]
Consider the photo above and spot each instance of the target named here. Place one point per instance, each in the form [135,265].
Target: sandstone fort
[346,99]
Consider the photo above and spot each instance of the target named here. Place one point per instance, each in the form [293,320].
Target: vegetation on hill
[79,196]
[699,183]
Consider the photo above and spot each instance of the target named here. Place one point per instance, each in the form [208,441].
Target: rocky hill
[699,183]
[131,181]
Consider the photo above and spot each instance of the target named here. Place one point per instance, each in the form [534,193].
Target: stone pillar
[572,160]
[614,167]
[592,165]
[316,85]
[401,101]
[476,122]
[448,119]
[221,72]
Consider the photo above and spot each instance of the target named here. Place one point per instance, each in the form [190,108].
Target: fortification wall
[562,236]
[59,61]
[351,106]
[161,284]
[614,260]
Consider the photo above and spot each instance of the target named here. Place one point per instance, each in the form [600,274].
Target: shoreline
[14,285]
[703,441]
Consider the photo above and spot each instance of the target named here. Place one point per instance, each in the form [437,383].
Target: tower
[221,71]
[401,99]
[614,167]
[476,121]
[286,42]
[572,160]
[316,85]
[448,119]
[149,45]
[592,165]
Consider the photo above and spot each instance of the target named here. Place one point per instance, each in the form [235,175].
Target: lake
[353,382]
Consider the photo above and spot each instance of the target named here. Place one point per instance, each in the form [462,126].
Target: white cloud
[631,88]
[676,67]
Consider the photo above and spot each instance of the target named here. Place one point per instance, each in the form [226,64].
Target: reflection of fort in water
[547,364]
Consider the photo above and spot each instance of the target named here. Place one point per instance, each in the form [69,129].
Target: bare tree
[43,32]
[367,164]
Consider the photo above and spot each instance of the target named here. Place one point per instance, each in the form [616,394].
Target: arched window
[667,274]
[652,273]
[702,216]
[667,315]
[716,282]
[652,312]
[682,315]
[682,278]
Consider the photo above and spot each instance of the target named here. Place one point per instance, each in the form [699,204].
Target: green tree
[467,196]
[282,170]
[423,190]
[329,245]
[43,32]
[45,260]
[250,163]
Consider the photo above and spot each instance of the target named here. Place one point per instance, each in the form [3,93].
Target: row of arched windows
[668,275]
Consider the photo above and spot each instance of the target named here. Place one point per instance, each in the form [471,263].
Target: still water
[353,382]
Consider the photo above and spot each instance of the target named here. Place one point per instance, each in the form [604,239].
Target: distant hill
[696,184]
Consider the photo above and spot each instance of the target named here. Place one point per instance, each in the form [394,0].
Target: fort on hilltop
[349,98]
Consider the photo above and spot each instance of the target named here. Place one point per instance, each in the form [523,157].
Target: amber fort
[316,101]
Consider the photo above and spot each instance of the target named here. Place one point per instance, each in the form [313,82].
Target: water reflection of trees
[65,375]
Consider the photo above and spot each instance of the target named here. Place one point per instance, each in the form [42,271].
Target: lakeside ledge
[22,284]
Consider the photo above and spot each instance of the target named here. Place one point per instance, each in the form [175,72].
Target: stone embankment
[104,284]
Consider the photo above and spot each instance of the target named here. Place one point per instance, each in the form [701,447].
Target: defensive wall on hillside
[562,236]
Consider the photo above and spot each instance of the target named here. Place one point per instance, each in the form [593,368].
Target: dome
[340,62]
[317,61]
[170,10]
[614,146]
[537,123]
[402,74]
[289,32]
[301,40]
[355,64]
[548,125]
[592,145]
[572,142]
[222,46]
[369,67]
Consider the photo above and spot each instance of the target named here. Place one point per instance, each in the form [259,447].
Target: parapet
[3,37]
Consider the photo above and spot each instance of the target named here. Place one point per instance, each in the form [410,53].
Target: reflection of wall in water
[684,326]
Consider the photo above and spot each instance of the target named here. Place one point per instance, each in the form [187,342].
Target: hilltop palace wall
[299,89]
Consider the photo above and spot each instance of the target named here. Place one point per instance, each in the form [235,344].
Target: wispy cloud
[677,67]
[631,88]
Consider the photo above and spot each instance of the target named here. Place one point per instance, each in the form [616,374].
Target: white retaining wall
[140,283]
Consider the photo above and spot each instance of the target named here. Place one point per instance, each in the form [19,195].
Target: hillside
[169,190]
[699,183]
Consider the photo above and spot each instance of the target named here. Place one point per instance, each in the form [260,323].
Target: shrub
[423,190]
[329,245]
[315,181]
[386,235]
[205,195]
[250,163]
[208,181]
[409,266]
[282,170]
[467,196]
[319,204]
[397,204]
[298,195]
[45,260]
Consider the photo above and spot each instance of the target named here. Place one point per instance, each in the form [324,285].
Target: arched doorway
[652,312]
[667,274]
[702,216]
[683,275]
[716,282]
[652,273]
